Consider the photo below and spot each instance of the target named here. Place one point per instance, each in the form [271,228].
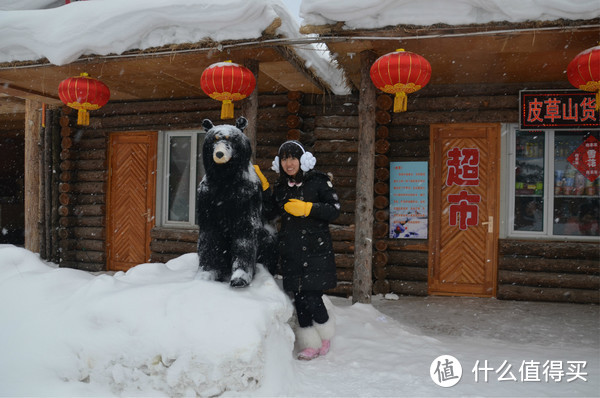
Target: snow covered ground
[163,330]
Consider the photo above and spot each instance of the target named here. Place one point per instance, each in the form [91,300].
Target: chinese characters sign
[558,109]
[408,200]
[586,158]
[463,170]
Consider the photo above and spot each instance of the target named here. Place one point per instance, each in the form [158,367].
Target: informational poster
[408,200]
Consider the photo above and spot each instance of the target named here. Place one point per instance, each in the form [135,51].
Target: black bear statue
[233,234]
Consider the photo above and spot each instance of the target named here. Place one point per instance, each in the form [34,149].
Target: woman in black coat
[307,202]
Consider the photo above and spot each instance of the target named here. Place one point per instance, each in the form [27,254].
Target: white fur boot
[326,331]
[309,342]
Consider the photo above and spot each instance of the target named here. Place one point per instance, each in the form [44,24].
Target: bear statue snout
[221,153]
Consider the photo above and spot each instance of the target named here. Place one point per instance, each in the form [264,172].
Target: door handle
[490,224]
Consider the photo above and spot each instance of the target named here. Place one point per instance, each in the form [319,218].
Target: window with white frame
[553,186]
[179,173]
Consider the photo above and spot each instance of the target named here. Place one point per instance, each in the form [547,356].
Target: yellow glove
[298,207]
[263,179]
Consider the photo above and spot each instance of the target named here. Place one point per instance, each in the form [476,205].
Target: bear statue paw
[238,282]
[240,278]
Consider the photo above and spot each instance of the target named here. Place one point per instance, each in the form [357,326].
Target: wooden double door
[131,198]
[464,187]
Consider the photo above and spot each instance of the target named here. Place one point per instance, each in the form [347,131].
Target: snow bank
[157,329]
[359,14]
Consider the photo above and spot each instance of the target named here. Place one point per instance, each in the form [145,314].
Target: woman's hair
[290,149]
[295,150]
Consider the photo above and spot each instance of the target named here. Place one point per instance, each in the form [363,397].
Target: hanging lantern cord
[400,102]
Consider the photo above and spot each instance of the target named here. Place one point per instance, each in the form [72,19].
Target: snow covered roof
[465,41]
[376,14]
[102,27]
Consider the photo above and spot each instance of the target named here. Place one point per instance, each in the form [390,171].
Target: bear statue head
[226,148]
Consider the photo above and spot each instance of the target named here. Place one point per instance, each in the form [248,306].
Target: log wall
[549,271]
[328,127]
[84,166]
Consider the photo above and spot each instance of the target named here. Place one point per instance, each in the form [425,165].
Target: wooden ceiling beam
[13,90]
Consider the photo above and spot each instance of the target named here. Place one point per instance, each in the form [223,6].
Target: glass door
[529,180]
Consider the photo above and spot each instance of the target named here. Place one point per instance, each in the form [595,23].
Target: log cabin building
[119,192]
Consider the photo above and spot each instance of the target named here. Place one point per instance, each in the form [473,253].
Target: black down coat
[306,252]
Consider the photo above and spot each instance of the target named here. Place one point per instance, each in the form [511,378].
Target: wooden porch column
[32,175]
[250,108]
[362,285]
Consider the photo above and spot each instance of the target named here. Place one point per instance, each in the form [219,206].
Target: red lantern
[399,73]
[85,94]
[584,72]
[227,82]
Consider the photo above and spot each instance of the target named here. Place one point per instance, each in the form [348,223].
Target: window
[552,192]
[179,173]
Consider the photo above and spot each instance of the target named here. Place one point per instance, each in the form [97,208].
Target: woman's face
[290,166]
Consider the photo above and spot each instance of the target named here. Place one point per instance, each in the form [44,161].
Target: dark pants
[310,307]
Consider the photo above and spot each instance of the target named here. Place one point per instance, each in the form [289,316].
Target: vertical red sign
[463,170]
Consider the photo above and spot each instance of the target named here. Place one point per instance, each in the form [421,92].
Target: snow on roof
[102,27]
[375,14]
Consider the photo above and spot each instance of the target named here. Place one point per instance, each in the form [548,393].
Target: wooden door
[464,186]
[130,198]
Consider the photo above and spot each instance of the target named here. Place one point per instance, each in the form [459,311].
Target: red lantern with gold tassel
[400,73]
[584,72]
[83,93]
[227,82]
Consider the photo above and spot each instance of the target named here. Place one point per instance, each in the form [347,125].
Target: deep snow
[162,330]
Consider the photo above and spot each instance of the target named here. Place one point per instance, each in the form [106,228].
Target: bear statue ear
[241,123]
[207,124]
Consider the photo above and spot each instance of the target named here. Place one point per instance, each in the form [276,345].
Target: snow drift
[156,328]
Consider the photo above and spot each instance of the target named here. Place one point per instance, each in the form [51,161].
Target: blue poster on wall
[408,200]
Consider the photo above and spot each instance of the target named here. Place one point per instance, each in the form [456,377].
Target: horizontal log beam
[410,288]
[550,249]
[539,264]
[172,247]
[547,279]
[403,273]
[529,293]
[84,266]
[172,234]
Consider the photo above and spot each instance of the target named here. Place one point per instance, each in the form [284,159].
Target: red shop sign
[558,109]
[463,170]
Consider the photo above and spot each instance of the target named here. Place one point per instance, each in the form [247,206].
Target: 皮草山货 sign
[556,109]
